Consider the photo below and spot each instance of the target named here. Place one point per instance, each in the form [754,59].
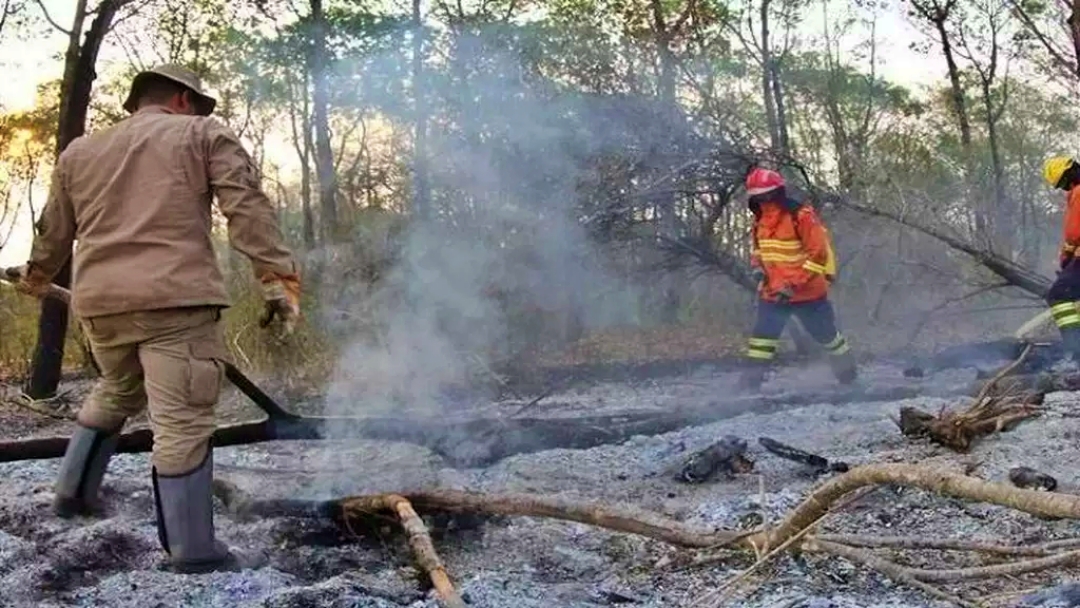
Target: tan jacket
[136,197]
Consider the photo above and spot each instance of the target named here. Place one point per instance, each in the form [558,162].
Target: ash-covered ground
[538,563]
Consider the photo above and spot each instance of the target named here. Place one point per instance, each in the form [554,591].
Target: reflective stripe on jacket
[792,249]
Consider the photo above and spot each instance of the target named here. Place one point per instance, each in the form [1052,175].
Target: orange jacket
[791,247]
[1071,228]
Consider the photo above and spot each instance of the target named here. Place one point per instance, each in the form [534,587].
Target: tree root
[999,406]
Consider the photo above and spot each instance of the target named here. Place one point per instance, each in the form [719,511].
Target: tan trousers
[169,360]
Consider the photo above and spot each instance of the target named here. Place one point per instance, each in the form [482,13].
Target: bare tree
[421,186]
[324,153]
[939,14]
[979,40]
[758,41]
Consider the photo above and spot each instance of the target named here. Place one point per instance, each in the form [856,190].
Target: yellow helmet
[1054,168]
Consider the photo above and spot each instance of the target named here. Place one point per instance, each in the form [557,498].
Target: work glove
[28,280]
[785,294]
[757,275]
[282,297]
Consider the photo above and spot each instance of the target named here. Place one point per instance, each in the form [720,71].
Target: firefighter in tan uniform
[148,293]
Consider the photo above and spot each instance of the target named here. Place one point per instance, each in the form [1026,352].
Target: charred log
[727,457]
[1027,477]
[460,443]
[818,464]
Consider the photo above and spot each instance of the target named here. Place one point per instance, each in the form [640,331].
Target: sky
[37,62]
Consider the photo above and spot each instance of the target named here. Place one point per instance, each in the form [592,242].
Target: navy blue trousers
[1062,298]
[818,317]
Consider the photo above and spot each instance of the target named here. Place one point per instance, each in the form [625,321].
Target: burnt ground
[529,562]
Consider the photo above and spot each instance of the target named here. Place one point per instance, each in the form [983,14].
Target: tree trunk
[301,136]
[421,187]
[959,104]
[665,208]
[48,358]
[1074,31]
[1002,214]
[781,112]
[767,90]
[324,154]
[982,222]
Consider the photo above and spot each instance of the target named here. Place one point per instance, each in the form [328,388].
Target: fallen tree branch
[420,542]
[1012,273]
[891,569]
[948,544]
[613,518]
[813,507]
[237,502]
[1010,569]
[792,533]
[721,594]
[1005,371]
[1041,504]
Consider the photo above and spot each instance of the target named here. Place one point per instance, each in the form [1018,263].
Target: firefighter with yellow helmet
[1063,173]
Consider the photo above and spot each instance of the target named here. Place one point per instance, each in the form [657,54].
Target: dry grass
[692,340]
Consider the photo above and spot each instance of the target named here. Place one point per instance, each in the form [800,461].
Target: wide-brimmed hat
[178,74]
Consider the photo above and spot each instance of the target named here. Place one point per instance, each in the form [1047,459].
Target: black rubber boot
[185,520]
[753,377]
[81,471]
[844,368]
[1070,339]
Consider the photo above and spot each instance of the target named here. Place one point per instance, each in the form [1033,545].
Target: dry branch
[996,570]
[909,542]
[452,501]
[996,408]
[891,569]
[792,533]
[366,507]
[479,441]
[1041,504]
[1012,273]
[633,521]
[419,540]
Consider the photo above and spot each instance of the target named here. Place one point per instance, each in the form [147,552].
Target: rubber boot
[753,377]
[1070,339]
[81,471]
[844,368]
[185,521]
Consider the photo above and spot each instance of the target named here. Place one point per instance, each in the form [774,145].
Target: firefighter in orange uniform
[1063,173]
[791,260]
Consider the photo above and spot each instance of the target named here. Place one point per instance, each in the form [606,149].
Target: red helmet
[761,181]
